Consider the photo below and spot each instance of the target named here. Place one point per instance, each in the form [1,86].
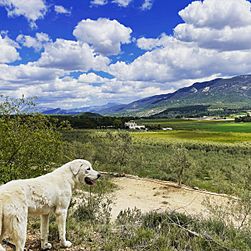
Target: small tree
[180,163]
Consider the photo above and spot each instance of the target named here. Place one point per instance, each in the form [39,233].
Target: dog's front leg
[44,228]
[61,215]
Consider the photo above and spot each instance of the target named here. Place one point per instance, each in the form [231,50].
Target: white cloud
[225,39]
[179,60]
[147,5]
[8,51]
[153,43]
[72,56]
[59,9]
[37,42]
[217,13]
[122,3]
[213,41]
[91,78]
[32,10]
[55,90]
[27,74]
[104,35]
[99,2]
[217,24]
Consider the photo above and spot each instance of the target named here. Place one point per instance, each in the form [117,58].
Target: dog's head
[83,172]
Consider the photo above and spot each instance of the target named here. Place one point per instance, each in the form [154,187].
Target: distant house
[133,126]
[167,129]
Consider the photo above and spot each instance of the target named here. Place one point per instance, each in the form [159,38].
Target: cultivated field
[202,131]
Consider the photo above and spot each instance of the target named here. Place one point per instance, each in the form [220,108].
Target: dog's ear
[75,169]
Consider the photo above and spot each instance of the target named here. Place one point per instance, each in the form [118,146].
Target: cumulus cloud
[217,24]
[104,35]
[8,52]
[59,9]
[71,56]
[217,13]
[27,74]
[153,43]
[180,60]
[32,10]
[99,2]
[91,78]
[55,89]
[215,33]
[122,3]
[37,42]
[147,5]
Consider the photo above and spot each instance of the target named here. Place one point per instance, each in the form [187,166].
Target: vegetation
[29,144]
[146,155]
[91,121]
[35,144]
[195,111]
[246,118]
[90,228]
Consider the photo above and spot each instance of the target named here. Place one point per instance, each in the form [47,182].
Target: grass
[205,125]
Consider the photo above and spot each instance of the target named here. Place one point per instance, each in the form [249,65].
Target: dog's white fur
[48,193]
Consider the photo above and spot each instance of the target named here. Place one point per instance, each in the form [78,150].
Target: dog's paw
[66,244]
[46,246]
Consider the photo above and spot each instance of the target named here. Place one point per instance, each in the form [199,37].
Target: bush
[30,144]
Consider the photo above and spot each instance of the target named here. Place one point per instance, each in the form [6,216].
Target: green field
[206,125]
[194,131]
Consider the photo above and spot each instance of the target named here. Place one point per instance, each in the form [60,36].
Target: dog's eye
[88,169]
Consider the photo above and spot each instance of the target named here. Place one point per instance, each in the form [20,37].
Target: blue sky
[91,52]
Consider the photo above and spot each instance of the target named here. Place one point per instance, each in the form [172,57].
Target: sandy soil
[154,195]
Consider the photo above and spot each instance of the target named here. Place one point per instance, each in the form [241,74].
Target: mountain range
[108,108]
[232,93]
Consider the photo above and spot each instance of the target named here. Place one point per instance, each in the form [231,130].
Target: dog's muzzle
[90,181]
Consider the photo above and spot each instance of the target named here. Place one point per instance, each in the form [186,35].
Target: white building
[167,129]
[133,126]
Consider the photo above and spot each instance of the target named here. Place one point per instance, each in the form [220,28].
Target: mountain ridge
[219,93]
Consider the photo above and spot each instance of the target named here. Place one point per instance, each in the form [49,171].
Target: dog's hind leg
[19,240]
[44,228]
[19,231]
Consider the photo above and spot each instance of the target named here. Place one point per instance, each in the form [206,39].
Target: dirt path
[149,195]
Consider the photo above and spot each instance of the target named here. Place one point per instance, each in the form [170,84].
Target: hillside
[233,94]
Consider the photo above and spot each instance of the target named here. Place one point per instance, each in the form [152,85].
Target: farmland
[205,125]
[194,131]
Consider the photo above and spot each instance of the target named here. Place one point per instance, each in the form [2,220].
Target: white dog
[40,196]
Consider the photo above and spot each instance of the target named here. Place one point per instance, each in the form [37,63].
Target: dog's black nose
[98,176]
